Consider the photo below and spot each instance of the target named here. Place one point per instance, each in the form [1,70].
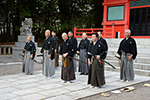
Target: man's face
[47,34]
[127,34]
[94,38]
[70,34]
[99,34]
[29,38]
[84,36]
[53,34]
[64,37]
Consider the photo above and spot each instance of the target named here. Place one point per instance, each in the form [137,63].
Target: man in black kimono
[56,48]
[96,72]
[74,42]
[29,53]
[48,55]
[103,41]
[83,48]
[127,51]
[66,49]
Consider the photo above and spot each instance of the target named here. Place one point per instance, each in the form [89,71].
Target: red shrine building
[120,15]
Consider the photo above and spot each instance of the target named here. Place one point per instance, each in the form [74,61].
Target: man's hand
[89,62]
[42,53]
[55,50]
[61,58]
[130,57]
[31,56]
[97,56]
[49,55]
[119,56]
[64,55]
[78,52]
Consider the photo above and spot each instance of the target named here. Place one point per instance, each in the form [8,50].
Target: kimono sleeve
[32,49]
[134,49]
[60,51]
[71,49]
[89,50]
[87,45]
[102,51]
[119,49]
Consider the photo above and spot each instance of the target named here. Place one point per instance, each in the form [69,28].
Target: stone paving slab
[37,87]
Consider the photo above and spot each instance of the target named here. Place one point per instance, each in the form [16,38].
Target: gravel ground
[8,58]
[13,68]
[140,93]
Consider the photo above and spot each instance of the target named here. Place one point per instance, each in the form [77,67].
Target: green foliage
[60,15]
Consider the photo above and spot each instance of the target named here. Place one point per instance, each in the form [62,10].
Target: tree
[60,15]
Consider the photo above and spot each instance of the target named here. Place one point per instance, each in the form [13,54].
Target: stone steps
[135,66]
[136,71]
[138,55]
[145,60]
[141,43]
[141,63]
[138,46]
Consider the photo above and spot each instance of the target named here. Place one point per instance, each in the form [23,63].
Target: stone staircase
[141,63]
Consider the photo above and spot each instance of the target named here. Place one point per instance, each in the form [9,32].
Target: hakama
[127,72]
[67,73]
[96,74]
[48,65]
[75,63]
[28,64]
[83,68]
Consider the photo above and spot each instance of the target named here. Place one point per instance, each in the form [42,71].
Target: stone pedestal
[18,48]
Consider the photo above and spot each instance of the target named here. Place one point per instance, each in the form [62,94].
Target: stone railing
[6,49]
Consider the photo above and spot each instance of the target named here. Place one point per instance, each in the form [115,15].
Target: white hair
[30,36]
[99,32]
[85,33]
[128,30]
[65,33]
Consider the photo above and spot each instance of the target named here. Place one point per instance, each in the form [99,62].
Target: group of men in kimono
[90,53]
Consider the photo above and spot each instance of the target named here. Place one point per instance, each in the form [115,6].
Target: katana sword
[72,58]
[102,60]
[117,57]
[33,59]
[39,55]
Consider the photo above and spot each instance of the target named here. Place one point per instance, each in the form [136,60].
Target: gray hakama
[75,63]
[28,64]
[126,72]
[83,68]
[48,65]
[67,73]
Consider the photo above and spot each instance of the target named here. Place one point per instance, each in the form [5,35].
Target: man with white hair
[29,53]
[82,49]
[127,51]
[66,49]
[48,55]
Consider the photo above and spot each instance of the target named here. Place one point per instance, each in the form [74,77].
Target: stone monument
[25,30]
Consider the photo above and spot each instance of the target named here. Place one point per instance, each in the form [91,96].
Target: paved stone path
[36,87]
